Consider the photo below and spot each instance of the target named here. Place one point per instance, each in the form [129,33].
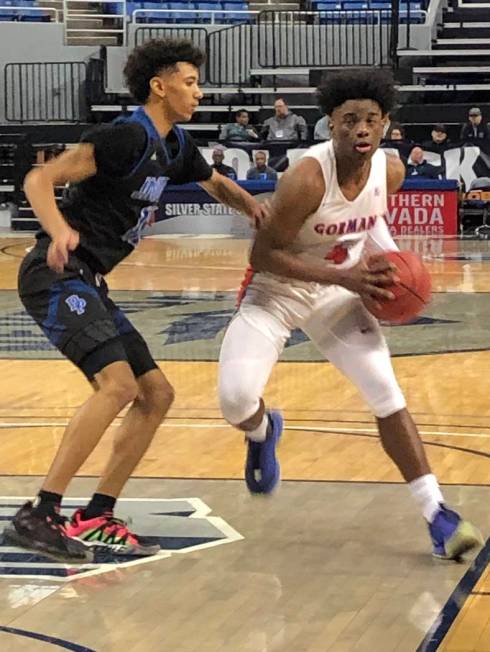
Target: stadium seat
[328,6]
[232,16]
[8,14]
[151,16]
[27,14]
[185,17]
[132,6]
[113,8]
[354,5]
[211,7]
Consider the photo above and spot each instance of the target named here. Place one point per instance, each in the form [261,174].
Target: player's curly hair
[373,84]
[154,57]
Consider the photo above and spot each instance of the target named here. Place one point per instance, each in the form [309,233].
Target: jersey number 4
[337,255]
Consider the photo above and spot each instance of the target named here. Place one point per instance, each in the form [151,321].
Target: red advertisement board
[423,212]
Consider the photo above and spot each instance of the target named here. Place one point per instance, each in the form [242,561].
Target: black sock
[47,503]
[100,504]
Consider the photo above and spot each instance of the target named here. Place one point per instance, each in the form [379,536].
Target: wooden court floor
[330,436]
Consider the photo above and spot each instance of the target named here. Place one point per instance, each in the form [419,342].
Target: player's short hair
[240,111]
[373,84]
[154,57]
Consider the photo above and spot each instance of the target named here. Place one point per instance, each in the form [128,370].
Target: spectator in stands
[396,139]
[475,130]
[395,132]
[218,165]
[239,130]
[261,171]
[418,166]
[285,125]
[439,141]
[322,129]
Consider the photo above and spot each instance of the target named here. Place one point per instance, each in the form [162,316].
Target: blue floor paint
[455,603]
[59,642]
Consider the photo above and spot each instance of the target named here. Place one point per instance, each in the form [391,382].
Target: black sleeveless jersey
[134,165]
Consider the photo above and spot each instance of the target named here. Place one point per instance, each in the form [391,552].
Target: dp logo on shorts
[76,304]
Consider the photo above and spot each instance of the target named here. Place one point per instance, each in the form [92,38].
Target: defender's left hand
[260,214]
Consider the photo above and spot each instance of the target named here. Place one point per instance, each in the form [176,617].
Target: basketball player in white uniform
[315,268]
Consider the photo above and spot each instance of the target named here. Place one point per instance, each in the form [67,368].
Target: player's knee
[156,394]
[388,401]
[397,416]
[121,393]
[237,403]
[118,384]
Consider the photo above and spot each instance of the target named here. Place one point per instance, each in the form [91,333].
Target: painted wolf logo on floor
[177,525]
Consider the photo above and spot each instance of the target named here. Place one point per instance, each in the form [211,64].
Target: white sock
[260,432]
[427,494]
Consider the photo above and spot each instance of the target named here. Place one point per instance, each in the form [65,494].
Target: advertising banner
[423,212]
[422,207]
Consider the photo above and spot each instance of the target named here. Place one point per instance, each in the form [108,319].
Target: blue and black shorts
[74,311]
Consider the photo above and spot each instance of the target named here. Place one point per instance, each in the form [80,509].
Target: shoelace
[57,522]
[116,526]
[59,519]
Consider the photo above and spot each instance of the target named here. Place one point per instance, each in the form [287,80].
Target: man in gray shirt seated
[261,171]
[285,125]
[240,130]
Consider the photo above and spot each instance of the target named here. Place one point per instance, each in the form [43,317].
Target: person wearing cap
[475,130]
[218,156]
[439,141]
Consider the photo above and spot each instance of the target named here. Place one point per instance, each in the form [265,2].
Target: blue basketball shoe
[262,470]
[452,536]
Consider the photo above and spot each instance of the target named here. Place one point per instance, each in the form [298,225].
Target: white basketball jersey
[338,230]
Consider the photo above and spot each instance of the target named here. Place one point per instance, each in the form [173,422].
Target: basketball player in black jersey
[117,176]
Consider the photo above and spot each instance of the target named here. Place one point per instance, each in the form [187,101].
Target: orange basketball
[412,292]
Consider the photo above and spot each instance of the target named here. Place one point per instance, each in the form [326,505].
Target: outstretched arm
[230,193]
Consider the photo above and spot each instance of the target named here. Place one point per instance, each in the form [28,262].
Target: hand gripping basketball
[412,290]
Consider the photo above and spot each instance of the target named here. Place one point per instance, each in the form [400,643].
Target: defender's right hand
[65,241]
